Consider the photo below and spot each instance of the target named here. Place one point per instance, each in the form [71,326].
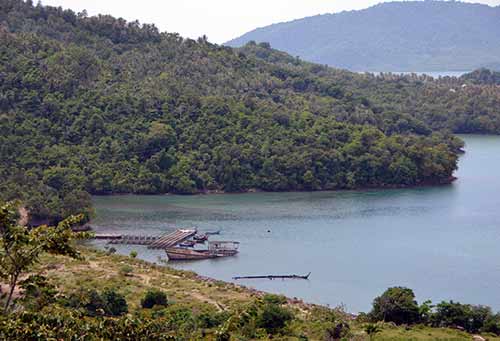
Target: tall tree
[22,247]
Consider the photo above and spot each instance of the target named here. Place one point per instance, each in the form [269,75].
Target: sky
[219,20]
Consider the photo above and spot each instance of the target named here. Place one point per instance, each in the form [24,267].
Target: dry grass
[100,270]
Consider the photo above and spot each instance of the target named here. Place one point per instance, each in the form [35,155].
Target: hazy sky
[220,20]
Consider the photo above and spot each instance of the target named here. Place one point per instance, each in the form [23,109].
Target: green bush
[211,320]
[64,324]
[273,318]
[337,331]
[274,299]
[396,305]
[92,303]
[38,292]
[492,325]
[126,270]
[116,305]
[153,298]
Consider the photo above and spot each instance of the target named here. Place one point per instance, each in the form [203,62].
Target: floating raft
[153,242]
[171,239]
[273,277]
[133,240]
[108,236]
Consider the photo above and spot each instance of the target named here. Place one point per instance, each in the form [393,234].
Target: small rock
[478,338]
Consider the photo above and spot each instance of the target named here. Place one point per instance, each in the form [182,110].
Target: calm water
[434,74]
[444,242]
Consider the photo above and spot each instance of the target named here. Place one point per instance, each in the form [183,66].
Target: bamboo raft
[172,239]
[271,277]
[133,240]
[152,242]
[107,236]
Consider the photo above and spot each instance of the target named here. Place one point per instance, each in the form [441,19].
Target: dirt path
[203,298]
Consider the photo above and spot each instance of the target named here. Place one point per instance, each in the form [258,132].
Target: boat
[223,248]
[200,238]
[188,243]
[81,228]
[215,249]
[213,233]
[179,253]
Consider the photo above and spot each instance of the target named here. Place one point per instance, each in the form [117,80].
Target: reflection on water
[441,241]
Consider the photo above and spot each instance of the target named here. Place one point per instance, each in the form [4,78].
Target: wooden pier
[172,239]
[153,242]
[133,240]
[107,236]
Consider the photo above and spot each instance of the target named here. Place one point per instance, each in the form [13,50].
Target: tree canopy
[98,105]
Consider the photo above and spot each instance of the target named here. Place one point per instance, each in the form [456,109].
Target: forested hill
[482,76]
[393,36]
[98,105]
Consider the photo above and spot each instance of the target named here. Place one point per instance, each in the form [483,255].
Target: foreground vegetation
[69,293]
[96,105]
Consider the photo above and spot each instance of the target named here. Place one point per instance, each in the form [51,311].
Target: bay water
[443,242]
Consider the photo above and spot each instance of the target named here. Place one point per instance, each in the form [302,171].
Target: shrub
[116,305]
[274,299]
[154,297]
[371,330]
[133,254]
[38,292]
[337,332]
[396,305]
[211,320]
[273,318]
[92,303]
[126,270]
[492,325]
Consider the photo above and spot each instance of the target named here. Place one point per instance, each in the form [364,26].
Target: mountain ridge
[393,36]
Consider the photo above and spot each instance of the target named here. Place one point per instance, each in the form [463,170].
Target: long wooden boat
[179,253]
[215,250]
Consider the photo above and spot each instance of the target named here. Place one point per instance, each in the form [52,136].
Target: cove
[443,242]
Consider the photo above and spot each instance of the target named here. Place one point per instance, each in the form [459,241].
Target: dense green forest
[392,36]
[98,105]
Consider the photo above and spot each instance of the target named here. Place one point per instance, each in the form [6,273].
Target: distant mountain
[395,36]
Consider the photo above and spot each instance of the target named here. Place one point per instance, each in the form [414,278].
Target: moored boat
[188,243]
[215,250]
[179,253]
[202,238]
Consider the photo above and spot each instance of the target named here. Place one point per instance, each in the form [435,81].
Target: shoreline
[295,301]
[447,182]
